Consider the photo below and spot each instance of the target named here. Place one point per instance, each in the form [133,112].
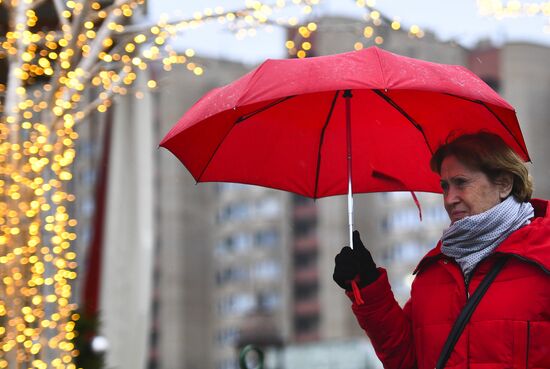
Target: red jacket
[509,329]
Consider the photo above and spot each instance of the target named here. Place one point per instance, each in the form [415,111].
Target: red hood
[531,242]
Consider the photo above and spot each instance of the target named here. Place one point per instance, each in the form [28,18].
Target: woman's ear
[505,182]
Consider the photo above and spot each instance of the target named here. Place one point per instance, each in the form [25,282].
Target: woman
[487,194]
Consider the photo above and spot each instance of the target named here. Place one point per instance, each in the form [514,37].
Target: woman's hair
[489,154]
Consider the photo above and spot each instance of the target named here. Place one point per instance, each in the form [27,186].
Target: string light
[512,8]
[43,102]
[301,44]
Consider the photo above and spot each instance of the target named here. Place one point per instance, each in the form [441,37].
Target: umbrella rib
[214,154]
[405,114]
[321,140]
[506,128]
[263,108]
[497,118]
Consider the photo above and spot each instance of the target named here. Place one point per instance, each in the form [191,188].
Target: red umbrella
[295,124]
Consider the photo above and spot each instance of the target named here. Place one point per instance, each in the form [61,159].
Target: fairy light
[512,8]
[37,153]
[36,228]
[302,44]
[375,18]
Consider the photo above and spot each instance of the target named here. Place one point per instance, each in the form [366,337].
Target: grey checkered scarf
[472,238]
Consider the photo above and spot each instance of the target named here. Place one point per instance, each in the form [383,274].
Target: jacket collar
[531,242]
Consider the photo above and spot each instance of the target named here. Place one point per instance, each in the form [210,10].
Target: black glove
[352,263]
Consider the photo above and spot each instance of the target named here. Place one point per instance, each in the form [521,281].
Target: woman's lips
[456,215]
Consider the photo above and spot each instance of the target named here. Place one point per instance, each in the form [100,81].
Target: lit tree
[516,8]
[62,60]
[59,62]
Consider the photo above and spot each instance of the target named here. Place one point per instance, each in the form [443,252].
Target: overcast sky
[456,19]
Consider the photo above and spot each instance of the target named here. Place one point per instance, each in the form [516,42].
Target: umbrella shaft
[347,96]
[350,214]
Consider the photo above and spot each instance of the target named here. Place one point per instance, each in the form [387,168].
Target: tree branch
[59,8]
[94,104]
[98,66]
[14,82]
[75,28]
[143,27]
[37,3]
[91,106]
[95,16]
[102,33]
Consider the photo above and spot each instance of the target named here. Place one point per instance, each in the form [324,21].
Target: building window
[407,218]
[269,301]
[231,274]
[227,336]
[305,260]
[242,241]
[306,323]
[306,291]
[238,242]
[234,212]
[408,251]
[436,214]
[237,304]
[268,207]
[305,227]
[267,238]
[267,270]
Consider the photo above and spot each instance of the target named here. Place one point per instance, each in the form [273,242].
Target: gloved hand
[353,263]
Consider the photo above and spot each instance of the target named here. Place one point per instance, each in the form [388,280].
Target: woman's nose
[450,197]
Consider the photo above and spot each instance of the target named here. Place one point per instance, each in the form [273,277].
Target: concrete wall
[526,85]
[129,235]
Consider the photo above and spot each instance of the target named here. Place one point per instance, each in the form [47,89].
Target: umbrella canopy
[283,125]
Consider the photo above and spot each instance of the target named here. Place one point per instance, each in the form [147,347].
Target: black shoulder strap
[467,312]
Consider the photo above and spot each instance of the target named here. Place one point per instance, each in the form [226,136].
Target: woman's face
[468,191]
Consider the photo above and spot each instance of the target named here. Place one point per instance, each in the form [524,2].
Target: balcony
[306,274]
[306,242]
[305,211]
[307,307]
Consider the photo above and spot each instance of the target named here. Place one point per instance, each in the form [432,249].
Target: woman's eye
[444,186]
